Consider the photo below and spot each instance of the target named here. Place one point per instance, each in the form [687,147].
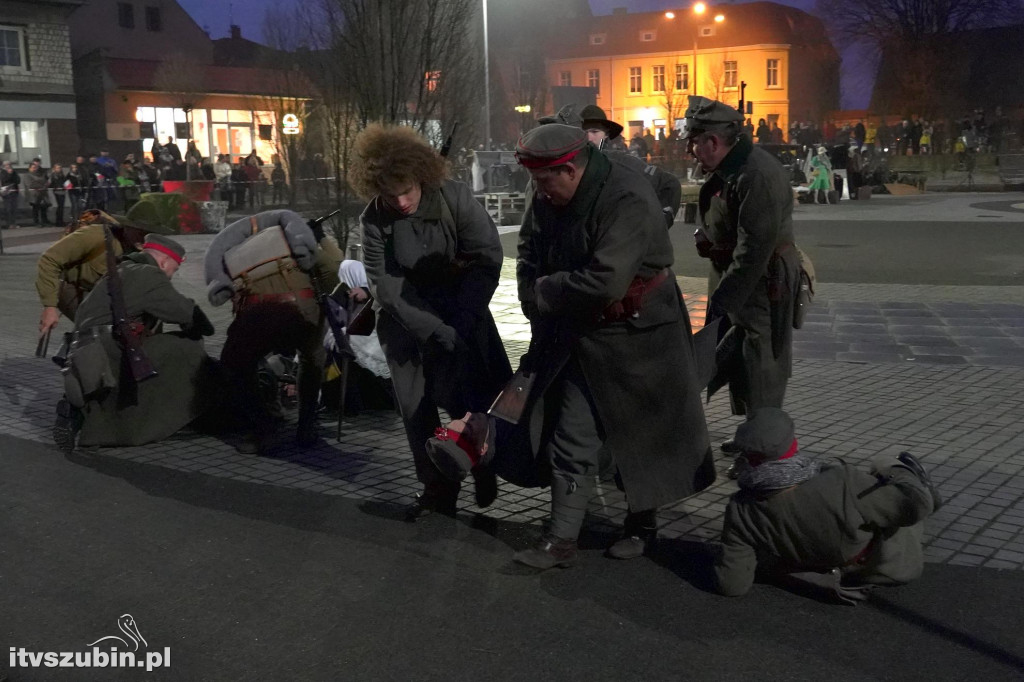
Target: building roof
[238,51]
[755,23]
[141,74]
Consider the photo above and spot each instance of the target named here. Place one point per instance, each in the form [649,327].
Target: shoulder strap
[447,217]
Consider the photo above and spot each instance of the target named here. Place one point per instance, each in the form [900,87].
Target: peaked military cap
[567,115]
[594,117]
[769,432]
[705,114]
[165,245]
[546,146]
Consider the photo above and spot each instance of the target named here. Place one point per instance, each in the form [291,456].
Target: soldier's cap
[547,146]
[165,245]
[594,117]
[454,453]
[703,115]
[567,115]
[768,433]
[143,216]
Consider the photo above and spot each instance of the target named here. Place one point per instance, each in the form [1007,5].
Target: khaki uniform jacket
[641,370]
[821,524]
[80,259]
[746,207]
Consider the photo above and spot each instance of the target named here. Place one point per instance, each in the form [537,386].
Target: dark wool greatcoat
[746,207]
[825,522]
[438,266]
[640,371]
[186,378]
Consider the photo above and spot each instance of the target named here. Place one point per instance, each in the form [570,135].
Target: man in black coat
[595,281]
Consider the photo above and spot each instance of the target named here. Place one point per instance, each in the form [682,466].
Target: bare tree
[675,94]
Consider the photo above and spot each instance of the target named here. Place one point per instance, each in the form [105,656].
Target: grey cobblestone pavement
[879,369]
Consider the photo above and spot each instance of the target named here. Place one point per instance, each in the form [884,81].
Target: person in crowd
[192,152]
[746,211]
[56,185]
[821,177]
[253,180]
[240,184]
[595,280]
[101,182]
[79,184]
[104,405]
[36,183]
[275,312]
[279,181]
[763,133]
[10,190]
[128,184]
[222,176]
[821,524]
[433,260]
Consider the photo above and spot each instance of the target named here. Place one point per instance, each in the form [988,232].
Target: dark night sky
[216,15]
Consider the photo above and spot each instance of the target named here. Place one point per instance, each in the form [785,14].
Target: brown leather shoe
[549,552]
[442,499]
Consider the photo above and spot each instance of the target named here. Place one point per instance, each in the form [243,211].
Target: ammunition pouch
[88,373]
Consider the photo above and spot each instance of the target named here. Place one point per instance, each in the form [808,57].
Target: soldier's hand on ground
[48,320]
[444,338]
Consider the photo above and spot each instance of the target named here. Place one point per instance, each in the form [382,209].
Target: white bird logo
[127,625]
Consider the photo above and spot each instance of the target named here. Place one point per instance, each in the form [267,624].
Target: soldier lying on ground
[822,524]
[103,405]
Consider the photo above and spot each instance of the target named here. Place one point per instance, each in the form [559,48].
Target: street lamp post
[487,86]
[698,9]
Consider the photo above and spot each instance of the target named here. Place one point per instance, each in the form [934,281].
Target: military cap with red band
[547,146]
[166,246]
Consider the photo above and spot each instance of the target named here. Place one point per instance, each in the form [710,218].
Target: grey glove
[219,292]
[444,338]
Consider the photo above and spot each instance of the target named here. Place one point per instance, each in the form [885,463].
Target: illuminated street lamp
[699,9]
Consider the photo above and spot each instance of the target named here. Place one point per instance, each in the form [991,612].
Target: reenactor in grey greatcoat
[612,346]
[104,405]
[746,208]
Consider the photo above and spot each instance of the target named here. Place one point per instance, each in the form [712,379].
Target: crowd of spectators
[101,182]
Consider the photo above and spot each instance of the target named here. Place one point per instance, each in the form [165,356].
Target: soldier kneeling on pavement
[103,404]
[821,526]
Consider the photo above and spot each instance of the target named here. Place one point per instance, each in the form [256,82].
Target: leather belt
[137,329]
[286,297]
[633,302]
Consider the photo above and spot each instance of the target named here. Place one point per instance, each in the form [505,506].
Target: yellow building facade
[644,66]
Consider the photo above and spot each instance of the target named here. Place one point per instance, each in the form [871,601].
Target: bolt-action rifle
[132,357]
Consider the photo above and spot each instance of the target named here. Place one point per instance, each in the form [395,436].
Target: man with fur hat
[606,135]
[824,524]
[746,208]
[595,281]
[103,404]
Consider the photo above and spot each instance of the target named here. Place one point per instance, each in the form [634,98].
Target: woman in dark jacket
[78,182]
[56,184]
[433,259]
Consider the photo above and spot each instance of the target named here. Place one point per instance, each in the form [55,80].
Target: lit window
[682,76]
[658,79]
[636,79]
[125,15]
[730,74]
[10,47]
[594,79]
[432,80]
[565,78]
[29,134]
[773,73]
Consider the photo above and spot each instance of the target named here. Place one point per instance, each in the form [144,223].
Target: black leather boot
[639,532]
[549,552]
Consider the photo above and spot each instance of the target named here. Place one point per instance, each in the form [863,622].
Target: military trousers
[273,327]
